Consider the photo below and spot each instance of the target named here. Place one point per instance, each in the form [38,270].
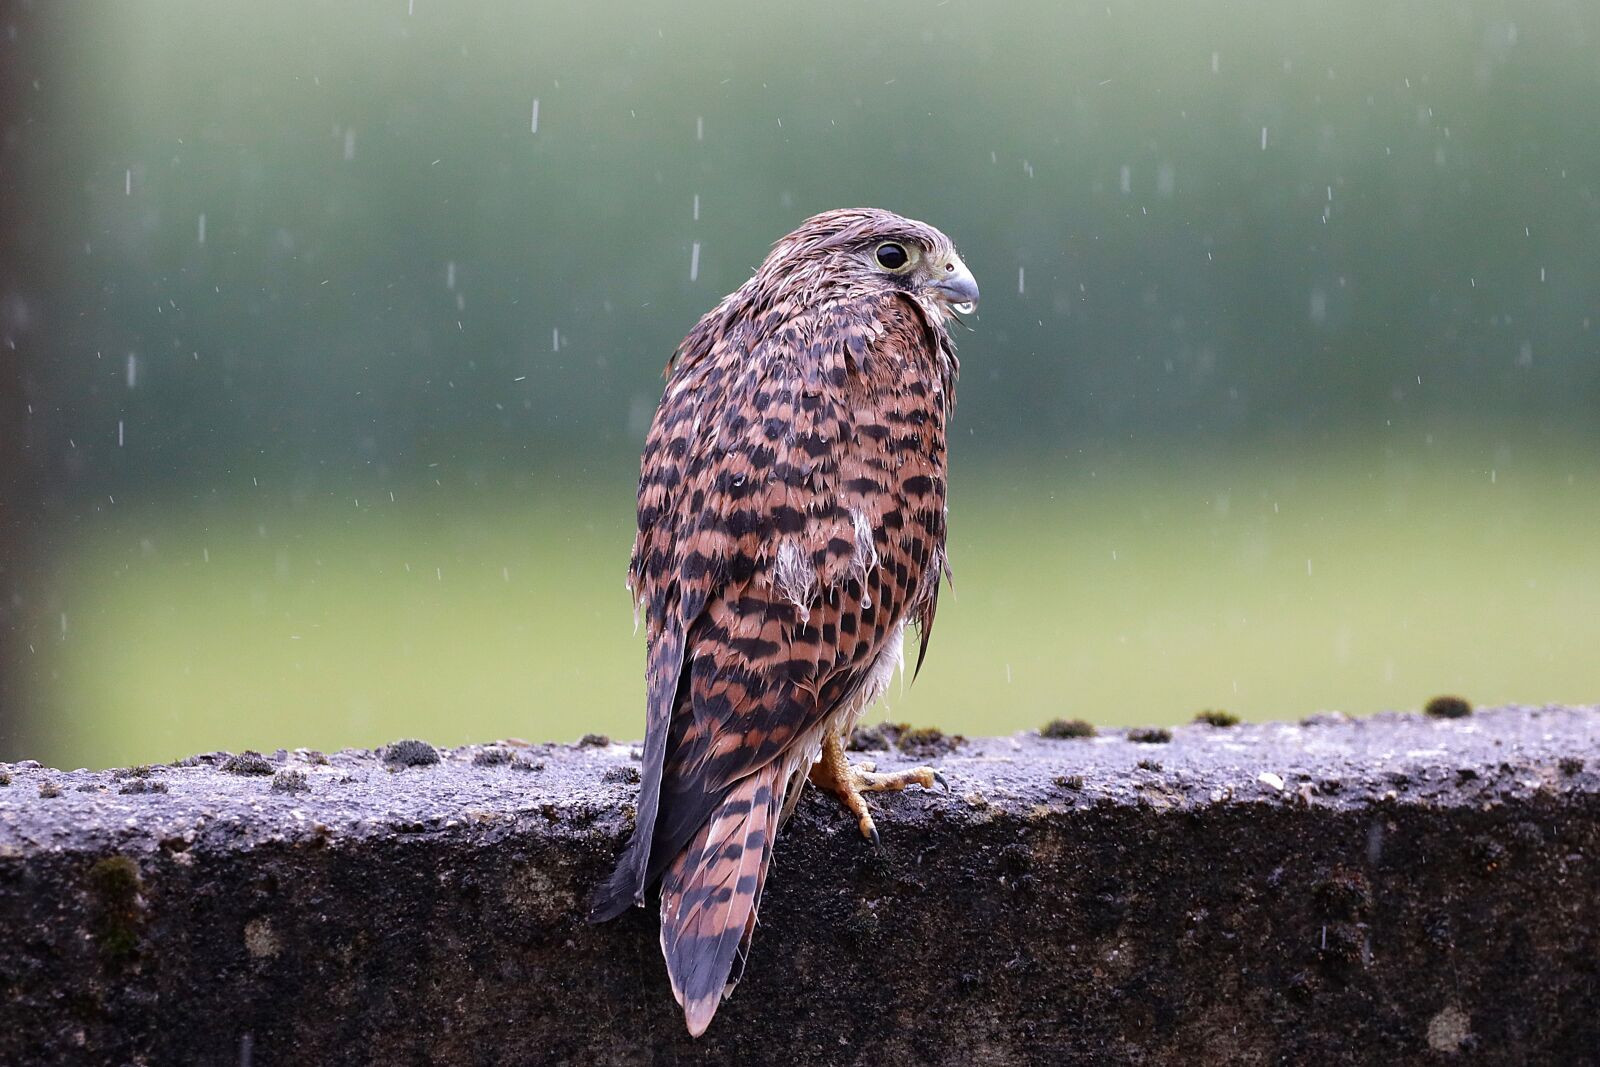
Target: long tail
[710,892]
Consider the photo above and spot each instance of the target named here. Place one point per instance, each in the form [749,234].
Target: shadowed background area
[331,333]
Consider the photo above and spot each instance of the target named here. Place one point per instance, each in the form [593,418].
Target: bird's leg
[834,773]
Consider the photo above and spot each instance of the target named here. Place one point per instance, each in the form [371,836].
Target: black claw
[938,780]
[876,843]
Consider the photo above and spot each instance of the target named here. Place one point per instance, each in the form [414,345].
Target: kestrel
[791,525]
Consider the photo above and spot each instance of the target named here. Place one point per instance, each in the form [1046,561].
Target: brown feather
[791,522]
[709,896]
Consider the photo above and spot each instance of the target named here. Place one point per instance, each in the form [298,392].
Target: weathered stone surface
[1390,890]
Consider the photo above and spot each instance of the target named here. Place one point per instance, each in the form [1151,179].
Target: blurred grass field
[1123,591]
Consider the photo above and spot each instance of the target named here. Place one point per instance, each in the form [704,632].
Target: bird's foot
[834,773]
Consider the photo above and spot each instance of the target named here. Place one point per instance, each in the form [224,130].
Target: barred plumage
[791,523]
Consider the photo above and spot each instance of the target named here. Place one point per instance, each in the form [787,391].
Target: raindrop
[450,275]
[1126,180]
[1021,286]
[1319,305]
[697,207]
[533,124]
[133,370]
[1263,138]
[1216,62]
[350,143]
[201,228]
[119,433]
[699,128]
[127,182]
[694,262]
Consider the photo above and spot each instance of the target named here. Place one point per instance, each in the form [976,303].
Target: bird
[791,527]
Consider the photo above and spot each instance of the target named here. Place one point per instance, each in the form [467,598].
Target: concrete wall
[1392,890]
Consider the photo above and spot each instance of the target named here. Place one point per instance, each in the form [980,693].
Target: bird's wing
[791,512]
[693,393]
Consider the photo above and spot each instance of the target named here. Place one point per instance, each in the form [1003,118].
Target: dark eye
[891,256]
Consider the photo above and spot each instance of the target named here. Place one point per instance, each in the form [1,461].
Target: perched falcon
[791,525]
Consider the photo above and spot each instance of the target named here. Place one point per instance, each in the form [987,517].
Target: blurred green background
[333,331]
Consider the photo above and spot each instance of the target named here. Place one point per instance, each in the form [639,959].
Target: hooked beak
[954,285]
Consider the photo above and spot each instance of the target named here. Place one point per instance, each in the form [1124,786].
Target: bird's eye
[892,256]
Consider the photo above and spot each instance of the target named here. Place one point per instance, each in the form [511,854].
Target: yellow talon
[834,773]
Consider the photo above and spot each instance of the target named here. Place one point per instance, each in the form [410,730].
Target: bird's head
[858,251]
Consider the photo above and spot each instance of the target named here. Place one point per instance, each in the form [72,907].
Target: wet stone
[410,753]
[291,781]
[1066,729]
[1057,903]
[248,763]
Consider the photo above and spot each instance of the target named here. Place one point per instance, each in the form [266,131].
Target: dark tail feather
[710,892]
[625,888]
